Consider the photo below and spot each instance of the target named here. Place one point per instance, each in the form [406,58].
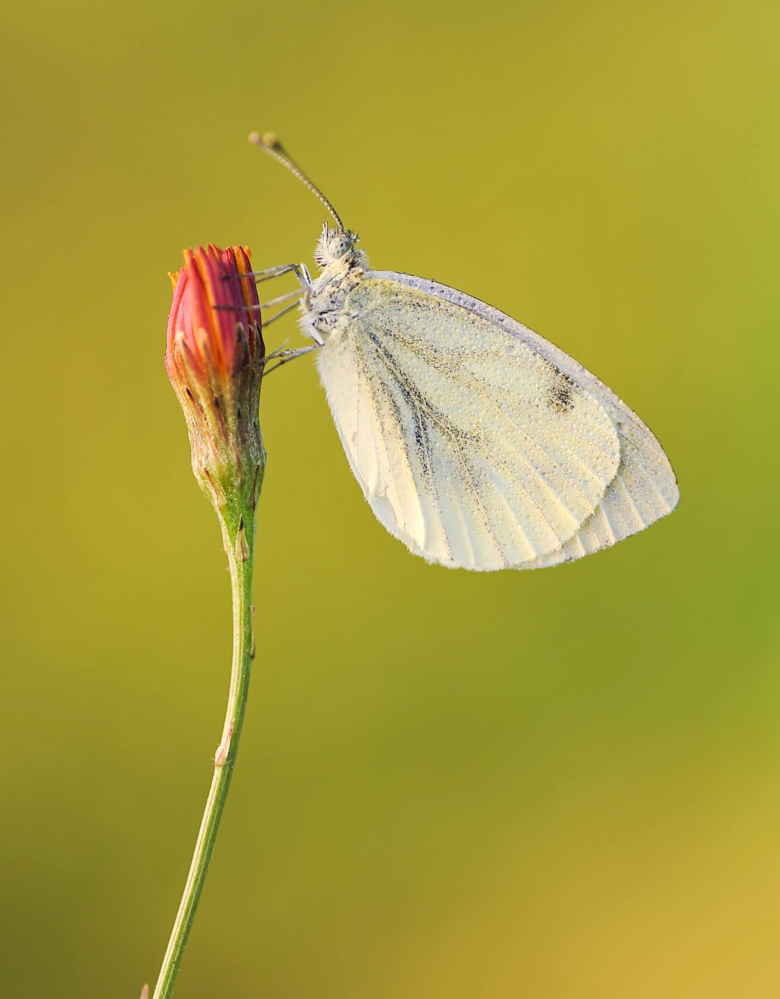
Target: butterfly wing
[477,442]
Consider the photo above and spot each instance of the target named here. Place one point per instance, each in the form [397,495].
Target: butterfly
[476,442]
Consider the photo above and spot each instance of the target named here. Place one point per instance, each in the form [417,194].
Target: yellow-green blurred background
[549,785]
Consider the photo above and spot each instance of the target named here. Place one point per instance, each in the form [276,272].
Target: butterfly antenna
[270,144]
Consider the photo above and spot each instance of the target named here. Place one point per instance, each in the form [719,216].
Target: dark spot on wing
[419,436]
[560,395]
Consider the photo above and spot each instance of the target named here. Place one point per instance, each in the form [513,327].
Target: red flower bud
[214,358]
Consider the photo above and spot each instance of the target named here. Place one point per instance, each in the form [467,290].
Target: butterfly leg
[301,271]
[284,356]
[280,313]
[264,305]
[297,292]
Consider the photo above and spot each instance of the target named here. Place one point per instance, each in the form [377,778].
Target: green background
[550,785]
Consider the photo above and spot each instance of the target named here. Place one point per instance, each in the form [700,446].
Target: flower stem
[238,536]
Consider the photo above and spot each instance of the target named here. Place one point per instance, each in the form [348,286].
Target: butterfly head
[337,244]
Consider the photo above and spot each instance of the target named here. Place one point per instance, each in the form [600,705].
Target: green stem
[238,535]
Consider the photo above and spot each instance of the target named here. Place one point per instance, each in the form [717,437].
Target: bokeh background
[555,785]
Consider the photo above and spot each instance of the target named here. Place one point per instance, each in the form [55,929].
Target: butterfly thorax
[342,267]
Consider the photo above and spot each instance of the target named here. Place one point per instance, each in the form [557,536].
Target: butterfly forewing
[470,444]
[644,488]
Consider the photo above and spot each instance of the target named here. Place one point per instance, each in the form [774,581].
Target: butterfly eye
[338,247]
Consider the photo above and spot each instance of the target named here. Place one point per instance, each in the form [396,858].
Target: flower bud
[214,358]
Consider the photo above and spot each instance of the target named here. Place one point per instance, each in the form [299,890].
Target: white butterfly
[476,442]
